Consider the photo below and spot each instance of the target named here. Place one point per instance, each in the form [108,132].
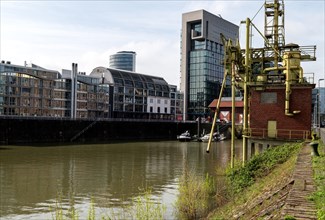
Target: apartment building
[33,91]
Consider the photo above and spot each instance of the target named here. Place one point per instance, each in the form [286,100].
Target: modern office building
[137,96]
[123,60]
[201,60]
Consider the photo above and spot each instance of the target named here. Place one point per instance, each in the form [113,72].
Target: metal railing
[283,134]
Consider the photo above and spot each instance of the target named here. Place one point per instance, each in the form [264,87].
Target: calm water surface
[111,175]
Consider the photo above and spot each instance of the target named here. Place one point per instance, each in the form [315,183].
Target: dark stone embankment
[15,131]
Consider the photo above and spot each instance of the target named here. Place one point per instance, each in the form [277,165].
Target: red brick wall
[300,99]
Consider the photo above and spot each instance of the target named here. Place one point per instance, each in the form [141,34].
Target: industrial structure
[202,53]
[277,97]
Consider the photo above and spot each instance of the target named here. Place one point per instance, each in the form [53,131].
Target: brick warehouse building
[268,118]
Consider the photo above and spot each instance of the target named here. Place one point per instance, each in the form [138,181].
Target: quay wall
[16,131]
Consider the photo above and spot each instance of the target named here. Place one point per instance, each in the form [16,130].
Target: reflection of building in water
[110,174]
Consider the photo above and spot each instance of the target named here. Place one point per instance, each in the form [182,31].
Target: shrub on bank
[195,195]
[259,166]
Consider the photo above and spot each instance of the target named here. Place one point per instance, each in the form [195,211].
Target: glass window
[269,98]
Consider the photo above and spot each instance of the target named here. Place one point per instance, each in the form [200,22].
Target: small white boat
[205,138]
[216,137]
[186,136]
[221,137]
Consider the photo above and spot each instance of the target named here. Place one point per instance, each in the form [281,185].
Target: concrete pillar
[252,149]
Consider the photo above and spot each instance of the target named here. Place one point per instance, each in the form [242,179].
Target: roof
[131,79]
[226,104]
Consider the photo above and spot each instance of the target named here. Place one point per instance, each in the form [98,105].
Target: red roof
[226,104]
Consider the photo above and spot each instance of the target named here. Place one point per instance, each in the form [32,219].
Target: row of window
[158,110]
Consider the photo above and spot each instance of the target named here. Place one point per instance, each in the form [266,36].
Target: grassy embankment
[236,191]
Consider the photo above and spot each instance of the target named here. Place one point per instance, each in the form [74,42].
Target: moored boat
[186,136]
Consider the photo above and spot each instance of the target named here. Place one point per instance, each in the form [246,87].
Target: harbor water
[106,176]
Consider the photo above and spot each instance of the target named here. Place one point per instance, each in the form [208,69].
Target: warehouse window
[268,98]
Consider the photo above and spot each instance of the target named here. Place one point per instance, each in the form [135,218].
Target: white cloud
[55,34]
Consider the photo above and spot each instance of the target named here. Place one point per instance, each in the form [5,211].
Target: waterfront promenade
[297,203]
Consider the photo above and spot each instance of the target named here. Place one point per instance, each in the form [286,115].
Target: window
[165,110]
[158,109]
[158,101]
[151,109]
[151,100]
[269,98]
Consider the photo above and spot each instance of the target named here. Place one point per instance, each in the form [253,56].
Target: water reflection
[111,174]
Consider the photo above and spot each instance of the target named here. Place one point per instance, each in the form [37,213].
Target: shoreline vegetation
[253,191]
[144,207]
[239,192]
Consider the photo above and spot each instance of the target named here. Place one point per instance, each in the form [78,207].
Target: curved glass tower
[123,60]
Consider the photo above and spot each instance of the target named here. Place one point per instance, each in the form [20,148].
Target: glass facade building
[123,60]
[136,95]
[201,60]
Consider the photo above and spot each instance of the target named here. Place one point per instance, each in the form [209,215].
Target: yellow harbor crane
[256,69]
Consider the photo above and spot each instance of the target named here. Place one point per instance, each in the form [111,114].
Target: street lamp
[318,103]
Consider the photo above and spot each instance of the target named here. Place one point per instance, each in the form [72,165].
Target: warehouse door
[271,129]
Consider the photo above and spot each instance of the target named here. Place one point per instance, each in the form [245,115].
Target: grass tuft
[195,195]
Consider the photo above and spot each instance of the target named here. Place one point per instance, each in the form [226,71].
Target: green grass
[146,209]
[262,174]
[319,177]
[259,166]
[195,195]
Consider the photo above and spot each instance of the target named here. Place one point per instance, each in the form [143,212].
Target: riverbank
[267,196]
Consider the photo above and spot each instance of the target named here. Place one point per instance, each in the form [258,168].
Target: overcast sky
[54,34]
